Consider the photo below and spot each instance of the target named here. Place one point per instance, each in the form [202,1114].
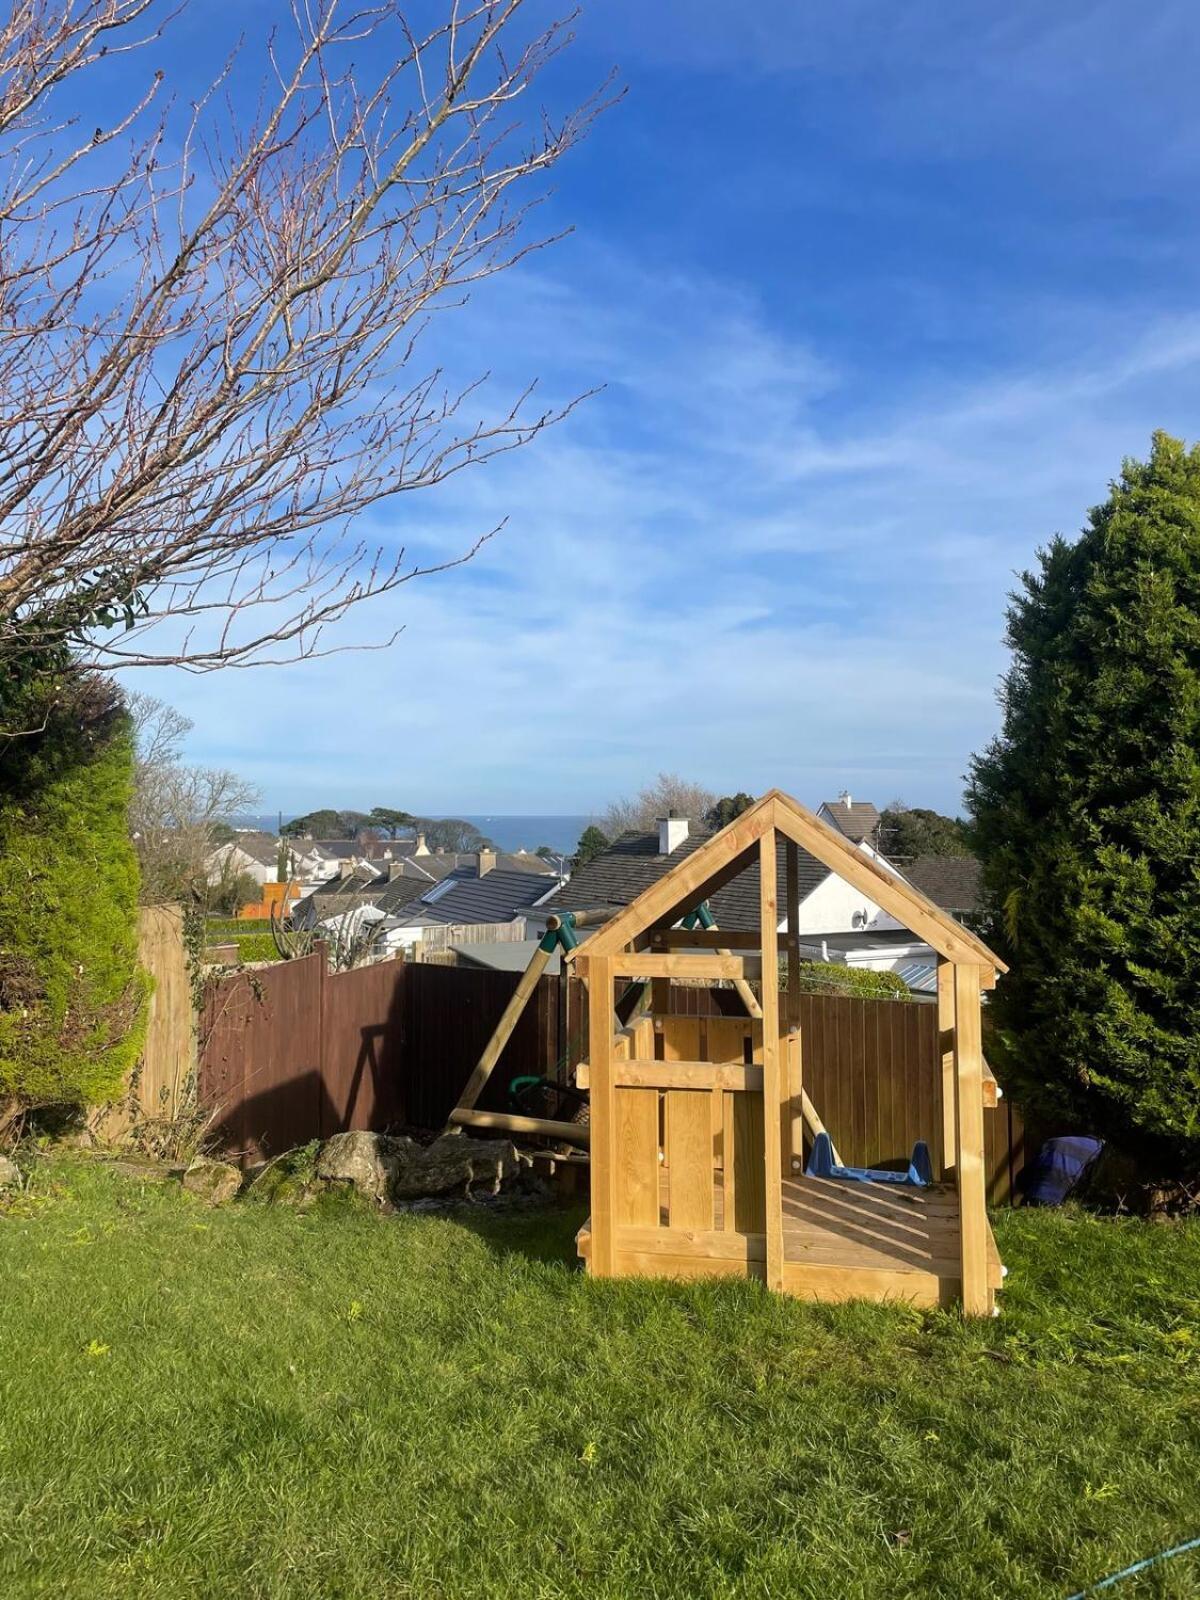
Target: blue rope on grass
[1138,1566]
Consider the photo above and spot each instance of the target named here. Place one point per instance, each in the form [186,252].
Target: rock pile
[391,1169]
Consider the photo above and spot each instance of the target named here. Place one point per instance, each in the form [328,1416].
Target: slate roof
[858,820]
[952,882]
[496,897]
[260,847]
[633,862]
[436,863]
[330,849]
[504,955]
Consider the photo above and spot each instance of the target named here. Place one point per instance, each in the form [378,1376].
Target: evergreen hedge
[827,977]
[72,997]
[1086,813]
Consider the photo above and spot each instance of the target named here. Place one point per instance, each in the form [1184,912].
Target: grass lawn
[258,1402]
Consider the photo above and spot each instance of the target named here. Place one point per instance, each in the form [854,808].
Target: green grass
[260,1402]
[253,937]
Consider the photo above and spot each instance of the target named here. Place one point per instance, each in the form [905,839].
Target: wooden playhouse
[698,1165]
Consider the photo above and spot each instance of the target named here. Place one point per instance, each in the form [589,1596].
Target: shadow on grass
[545,1234]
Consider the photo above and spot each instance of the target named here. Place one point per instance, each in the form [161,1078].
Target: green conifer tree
[72,997]
[1086,814]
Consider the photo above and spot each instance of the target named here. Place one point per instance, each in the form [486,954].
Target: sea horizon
[509,831]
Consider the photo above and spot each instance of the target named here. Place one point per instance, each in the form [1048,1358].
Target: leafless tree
[668,793]
[176,809]
[210,324]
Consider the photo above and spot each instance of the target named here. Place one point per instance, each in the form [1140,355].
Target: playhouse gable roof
[728,853]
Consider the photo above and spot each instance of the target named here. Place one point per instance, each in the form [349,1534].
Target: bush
[257,947]
[824,977]
[219,930]
[1086,814]
[72,998]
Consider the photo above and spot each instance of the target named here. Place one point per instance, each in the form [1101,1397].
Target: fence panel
[291,1053]
[362,1047]
[164,1080]
[260,1065]
[449,1016]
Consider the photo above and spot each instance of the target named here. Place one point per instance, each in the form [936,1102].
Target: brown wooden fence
[164,1080]
[291,1052]
[871,1068]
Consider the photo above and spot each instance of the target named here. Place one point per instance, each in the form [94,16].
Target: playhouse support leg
[949,1092]
[796,1094]
[776,1098]
[972,1193]
[603,1116]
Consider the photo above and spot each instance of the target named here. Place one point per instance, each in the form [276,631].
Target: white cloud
[722,565]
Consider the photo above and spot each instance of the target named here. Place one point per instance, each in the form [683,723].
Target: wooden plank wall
[291,1053]
[260,1058]
[450,1013]
[165,1078]
[871,1068]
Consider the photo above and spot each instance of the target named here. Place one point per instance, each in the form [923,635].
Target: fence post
[325,1108]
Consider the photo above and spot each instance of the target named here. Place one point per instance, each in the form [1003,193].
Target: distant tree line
[441,833]
[904,831]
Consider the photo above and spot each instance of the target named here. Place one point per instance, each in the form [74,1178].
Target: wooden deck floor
[840,1241]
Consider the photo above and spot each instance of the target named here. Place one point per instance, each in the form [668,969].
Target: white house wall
[837,907]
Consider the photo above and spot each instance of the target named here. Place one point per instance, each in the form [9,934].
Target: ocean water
[561,833]
[516,833]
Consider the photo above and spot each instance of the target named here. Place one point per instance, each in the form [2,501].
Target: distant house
[638,858]
[857,819]
[250,854]
[467,897]
[437,888]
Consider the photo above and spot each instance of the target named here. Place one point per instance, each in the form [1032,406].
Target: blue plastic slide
[822,1165]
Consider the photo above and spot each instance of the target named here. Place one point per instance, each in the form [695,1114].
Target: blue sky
[880,299]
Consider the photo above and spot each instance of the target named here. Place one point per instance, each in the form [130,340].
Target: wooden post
[503,1030]
[972,1197]
[776,1122]
[603,1116]
[949,1094]
[791,857]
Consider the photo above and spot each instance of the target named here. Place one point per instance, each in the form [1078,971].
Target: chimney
[395,870]
[844,797]
[672,831]
[422,848]
[487,862]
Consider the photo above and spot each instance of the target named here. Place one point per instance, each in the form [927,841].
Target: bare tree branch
[176,809]
[209,353]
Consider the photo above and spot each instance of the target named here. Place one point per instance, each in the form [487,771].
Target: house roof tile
[857,819]
[633,862]
[952,882]
[496,897]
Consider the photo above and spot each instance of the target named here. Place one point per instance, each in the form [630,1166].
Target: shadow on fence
[291,1053]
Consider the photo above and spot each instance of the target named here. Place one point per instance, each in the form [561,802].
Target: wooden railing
[688,1129]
